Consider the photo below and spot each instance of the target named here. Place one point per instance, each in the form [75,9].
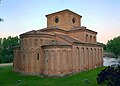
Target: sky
[102,16]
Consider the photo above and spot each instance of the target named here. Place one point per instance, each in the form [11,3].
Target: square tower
[64,19]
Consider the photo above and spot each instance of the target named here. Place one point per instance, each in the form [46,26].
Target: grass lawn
[9,78]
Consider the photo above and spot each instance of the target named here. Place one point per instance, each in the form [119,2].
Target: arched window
[90,38]
[38,55]
[94,39]
[86,38]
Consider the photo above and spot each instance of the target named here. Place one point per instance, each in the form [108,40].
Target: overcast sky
[102,16]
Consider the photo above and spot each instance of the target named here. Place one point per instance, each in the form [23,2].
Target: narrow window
[37,56]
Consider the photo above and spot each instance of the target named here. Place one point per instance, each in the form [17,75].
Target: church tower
[64,19]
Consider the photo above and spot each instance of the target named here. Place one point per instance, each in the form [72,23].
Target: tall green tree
[114,46]
[6,51]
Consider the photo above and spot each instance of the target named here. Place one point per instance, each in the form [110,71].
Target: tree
[6,48]
[114,46]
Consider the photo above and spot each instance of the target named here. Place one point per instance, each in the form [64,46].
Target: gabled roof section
[66,10]
[34,32]
[68,38]
[81,29]
[56,43]
[52,28]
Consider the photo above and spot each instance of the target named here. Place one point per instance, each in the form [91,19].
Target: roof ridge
[69,39]
[63,11]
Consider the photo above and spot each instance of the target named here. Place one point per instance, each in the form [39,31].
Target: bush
[110,76]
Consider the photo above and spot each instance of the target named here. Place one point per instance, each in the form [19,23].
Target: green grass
[9,78]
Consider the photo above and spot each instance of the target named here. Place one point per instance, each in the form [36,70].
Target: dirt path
[6,64]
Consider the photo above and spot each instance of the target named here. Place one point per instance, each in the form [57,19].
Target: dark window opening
[73,20]
[38,56]
[56,20]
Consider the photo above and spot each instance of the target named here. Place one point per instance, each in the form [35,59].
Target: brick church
[63,47]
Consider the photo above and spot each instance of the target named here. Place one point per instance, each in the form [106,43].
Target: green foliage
[9,78]
[114,46]
[110,76]
[6,48]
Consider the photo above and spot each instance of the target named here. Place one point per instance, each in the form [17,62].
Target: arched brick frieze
[27,50]
[52,62]
[95,53]
[98,57]
[40,41]
[25,42]
[61,61]
[26,59]
[23,61]
[44,65]
[92,60]
[55,61]
[87,56]
[78,52]
[101,55]
[22,42]
[64,60]
[30,42]
[81,58]
[76,62]
[67,61]
[46,61]
[32,61]
[32,50]
[58,61]
[70,60]
[38,50]
[35,42]
[83,55]
[49,60]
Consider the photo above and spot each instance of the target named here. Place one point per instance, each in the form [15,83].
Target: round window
[73,20]
[56,20]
